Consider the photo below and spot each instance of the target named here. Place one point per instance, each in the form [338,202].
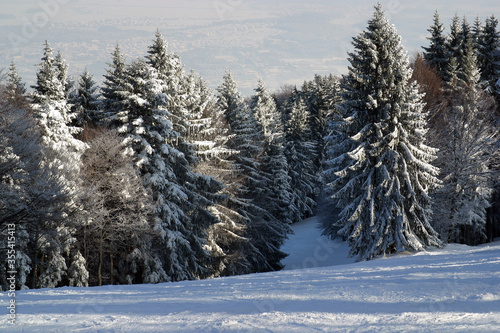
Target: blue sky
[281,42]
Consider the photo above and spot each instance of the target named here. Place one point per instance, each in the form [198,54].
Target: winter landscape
[294,172]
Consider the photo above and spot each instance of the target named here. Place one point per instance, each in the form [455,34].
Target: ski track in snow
[452,289]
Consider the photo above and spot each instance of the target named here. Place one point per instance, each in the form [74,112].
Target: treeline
[460,75]
[152,177]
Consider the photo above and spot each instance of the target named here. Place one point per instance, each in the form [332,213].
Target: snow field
[455,289]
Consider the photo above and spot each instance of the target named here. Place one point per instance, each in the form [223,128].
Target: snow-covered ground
[453,289]
[307,248]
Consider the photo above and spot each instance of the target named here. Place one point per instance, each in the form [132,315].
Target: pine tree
[264,232]
[15,88]
[34,197]
[178,192]
[452,73]
[113,88]
[20,154]
[176,86]
[277,197]
[320,95]
[453,46]
[489,54]
[77,272]
[85,101]
[210,135]
[435,54]
[229,98]
[62,74]
[469,72]
[477,32]
[62,160]
[381,175]
[167,64]
[186,98]
[48,86]
[299,151]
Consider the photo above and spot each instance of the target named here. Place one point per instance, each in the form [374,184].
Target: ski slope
[455,289]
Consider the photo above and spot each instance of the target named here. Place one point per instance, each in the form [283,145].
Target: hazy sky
[283,41]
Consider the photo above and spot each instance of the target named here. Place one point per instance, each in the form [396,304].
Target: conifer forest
[152,176]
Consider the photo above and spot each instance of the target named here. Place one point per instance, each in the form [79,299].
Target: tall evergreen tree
[171,71]
[48,86]
[469,72]
[180,216]
[85,100]
[113,88]
[489,54]
[299,151]
[453,47]
[210,134]
[320,96]
[264,232]
[277,198]
[62,74]
[435,54]
[229,98]
[381,178]
[52,113]
[186,98]
[477,32]
[15,88]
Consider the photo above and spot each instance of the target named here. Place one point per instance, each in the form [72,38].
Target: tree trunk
[111,268]
[99,268]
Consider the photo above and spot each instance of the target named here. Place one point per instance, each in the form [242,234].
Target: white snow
[456,289]
[307,248]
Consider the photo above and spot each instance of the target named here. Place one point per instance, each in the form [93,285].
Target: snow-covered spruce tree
[186,98]
[299,151]
[320,95]
[171,71]
[470,72]
[489,54]
[379,167]
[435,55]
[477,32]
[210,133]
[453,47]
[467,61]
[277,195]
[461,53]
[62,74]
[229,98]
[52,111]
[264,232]
[78,274]
[48,86]
[112,89]
[85,100]
[15,89]
[62,156]
[180,209]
